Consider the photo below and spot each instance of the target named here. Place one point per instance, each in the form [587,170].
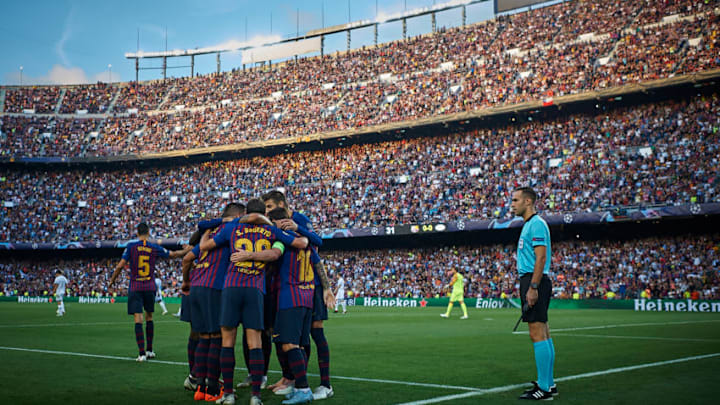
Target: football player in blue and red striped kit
[295,310]
[204,285]
[142,256]
[243,291]
[301,224]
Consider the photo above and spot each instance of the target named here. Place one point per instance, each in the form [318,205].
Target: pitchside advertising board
[641,305]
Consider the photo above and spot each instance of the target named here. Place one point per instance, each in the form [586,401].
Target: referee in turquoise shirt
[533,262]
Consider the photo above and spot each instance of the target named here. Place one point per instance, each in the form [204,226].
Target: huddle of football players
[257,266]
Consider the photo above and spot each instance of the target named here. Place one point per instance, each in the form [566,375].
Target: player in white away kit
[159,295]
[340,294]
[60,284]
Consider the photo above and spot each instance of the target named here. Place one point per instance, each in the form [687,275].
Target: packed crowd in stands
[94,99]
[509,59]
[676,267]
[39,99]
[660,153]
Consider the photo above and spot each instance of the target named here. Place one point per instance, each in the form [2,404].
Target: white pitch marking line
[568,378]
[638,337]
[371,380]
[50,325]
[622,325]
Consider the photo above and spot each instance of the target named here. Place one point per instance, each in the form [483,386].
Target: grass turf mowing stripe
[177,363]
[561,379]
[621,325]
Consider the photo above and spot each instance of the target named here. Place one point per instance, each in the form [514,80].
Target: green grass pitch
[418,355]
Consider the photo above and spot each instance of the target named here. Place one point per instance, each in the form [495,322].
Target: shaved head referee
[533,262]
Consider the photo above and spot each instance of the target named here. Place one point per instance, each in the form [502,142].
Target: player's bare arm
[325,282]
[269,255]
[121,265]
[300,243]
[187,264]
[287,225]
[540,257]
[206,242]
[180,253]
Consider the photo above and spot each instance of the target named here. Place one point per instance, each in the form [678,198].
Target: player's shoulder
[132,243]
[301,219]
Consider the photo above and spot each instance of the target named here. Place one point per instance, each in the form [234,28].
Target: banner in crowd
[50,299]
[635,214]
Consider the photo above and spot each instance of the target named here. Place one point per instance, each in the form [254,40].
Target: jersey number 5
[143,266]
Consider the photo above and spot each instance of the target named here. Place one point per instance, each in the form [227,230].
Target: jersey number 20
[247,245]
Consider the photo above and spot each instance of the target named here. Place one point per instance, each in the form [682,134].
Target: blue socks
[552,362]
[545,361]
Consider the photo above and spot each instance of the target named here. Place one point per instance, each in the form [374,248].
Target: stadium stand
[660,153]
[567,48]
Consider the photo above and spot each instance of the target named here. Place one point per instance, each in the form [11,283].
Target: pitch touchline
[48,325]
[638,337]
[622,325]
[177,363]
[568,378]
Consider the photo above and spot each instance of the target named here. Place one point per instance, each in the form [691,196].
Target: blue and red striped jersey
[211,266]
[304,222]
[297,278]
[142,256]
[253,238]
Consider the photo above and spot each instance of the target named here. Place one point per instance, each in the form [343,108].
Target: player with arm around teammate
[322,300]
[142,255]
[242,295]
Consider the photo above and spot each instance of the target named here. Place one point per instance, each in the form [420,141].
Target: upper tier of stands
[567,48]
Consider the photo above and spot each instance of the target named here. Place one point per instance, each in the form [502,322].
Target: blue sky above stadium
[74,41]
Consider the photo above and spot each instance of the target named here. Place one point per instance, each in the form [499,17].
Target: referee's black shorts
[539,311]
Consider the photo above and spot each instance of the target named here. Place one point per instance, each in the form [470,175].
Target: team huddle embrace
[257,266]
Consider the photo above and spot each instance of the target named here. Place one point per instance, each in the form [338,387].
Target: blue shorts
[205,309]
[185,310]
[319,311]
[242,305]
[292,326]
[270,310]
[137,300]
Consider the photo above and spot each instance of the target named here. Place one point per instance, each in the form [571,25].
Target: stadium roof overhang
[266,41]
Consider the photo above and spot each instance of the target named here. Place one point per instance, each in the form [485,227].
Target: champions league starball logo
[374,231]
[695,209]
[461,225]
[568,218]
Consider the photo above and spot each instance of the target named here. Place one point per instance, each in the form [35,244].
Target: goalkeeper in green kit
[458,291]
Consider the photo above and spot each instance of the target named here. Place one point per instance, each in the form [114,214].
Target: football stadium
[358,202]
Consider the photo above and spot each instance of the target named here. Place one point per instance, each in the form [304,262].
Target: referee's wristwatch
[534,286]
